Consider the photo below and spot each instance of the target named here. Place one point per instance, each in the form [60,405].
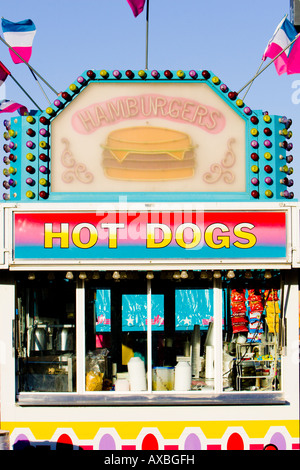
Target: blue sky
[228,38]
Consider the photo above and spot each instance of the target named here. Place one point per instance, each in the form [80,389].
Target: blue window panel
[193,307]
[134,312]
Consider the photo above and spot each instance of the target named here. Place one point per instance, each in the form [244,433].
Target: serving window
[135,335]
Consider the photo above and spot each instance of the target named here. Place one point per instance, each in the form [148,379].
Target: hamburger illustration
[148,154]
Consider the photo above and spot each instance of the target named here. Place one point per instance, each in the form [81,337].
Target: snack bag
[95,369]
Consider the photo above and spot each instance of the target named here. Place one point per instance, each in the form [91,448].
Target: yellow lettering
[166,235]
[63,235]
[76,235]
[250,237]
[112,233]
[224,241]
[179,236]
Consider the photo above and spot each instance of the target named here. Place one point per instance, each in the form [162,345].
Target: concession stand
[148,281]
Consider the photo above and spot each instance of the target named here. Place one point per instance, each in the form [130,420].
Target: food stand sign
[152,137]
[151,235]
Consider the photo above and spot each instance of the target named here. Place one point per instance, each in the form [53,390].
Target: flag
[20,37]
[289,61]
[7,106]
[137,6]
[4,72]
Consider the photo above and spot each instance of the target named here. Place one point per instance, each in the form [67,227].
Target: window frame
[215,397]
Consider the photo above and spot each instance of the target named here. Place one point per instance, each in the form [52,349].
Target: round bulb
[231,274]
[149,275]
[217,274]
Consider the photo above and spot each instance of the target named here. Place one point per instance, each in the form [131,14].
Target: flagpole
[247,91]
[259,73]
[43,91]
[147,33]
[24,91]
[262,60]
[28,65]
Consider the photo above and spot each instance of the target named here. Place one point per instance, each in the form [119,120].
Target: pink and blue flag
[4,72]
[7,106]
[289,60]
[20,37]
[137,6]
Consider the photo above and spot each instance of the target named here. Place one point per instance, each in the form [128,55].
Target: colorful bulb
[168,74]
[129,74]
[254,119]
[205,74]
[193,74]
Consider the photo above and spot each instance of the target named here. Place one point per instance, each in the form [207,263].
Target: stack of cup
[137,374]
[183,376]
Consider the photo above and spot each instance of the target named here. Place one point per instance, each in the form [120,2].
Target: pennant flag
[7,106]
[137,6]
[20,37]
[4,72]
[289,60]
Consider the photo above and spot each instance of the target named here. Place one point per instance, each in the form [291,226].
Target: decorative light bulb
[231,274]
[255,194]
[180,74]
[91,74]
[129,74]
[168,74]
[217,274]
[155,74]
[254,119]
[205,74]
[193,74]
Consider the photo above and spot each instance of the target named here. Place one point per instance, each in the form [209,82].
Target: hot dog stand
[149,290]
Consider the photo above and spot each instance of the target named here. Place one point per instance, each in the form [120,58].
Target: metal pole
[147,33]
[252,81]
[28,65]
[34,76]
[257,74]
[24,91]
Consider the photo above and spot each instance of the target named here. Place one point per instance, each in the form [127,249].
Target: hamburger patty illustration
[148,154]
